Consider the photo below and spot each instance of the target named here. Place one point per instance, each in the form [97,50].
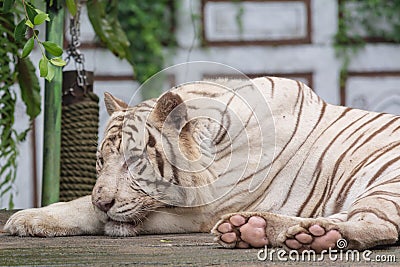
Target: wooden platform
[151,250]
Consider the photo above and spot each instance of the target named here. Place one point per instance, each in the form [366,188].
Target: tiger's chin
[124,224]
[123,229]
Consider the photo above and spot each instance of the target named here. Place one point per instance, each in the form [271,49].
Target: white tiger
[281,166]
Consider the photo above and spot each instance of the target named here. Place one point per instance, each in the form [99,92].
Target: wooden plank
[148,250]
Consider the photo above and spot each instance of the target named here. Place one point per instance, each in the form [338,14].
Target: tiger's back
[319,160]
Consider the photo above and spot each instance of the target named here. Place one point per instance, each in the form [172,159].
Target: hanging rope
[79,129]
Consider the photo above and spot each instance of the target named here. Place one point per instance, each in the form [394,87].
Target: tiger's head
[136,160]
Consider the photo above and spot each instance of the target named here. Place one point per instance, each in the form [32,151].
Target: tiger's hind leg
[316,234]
[252,229]
[373,219]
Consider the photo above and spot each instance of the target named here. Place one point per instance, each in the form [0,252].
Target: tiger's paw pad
[241,232]
[314,237]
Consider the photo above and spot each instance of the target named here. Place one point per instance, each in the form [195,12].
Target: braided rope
[79,127]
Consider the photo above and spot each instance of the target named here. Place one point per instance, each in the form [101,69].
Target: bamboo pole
[52,114]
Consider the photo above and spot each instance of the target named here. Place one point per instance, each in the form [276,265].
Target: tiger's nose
[103,198]
[104,205]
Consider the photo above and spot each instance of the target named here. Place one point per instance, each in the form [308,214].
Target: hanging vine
[13,69]
[361,21]
[149,28]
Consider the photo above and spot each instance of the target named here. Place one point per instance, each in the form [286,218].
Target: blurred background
[347,51]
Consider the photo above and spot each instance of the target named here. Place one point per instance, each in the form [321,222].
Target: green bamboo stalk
[52,114]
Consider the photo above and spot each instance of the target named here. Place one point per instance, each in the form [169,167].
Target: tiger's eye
[152,141]
[100,161]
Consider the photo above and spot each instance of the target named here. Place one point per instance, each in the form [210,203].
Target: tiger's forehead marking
[123,128]
[130,116]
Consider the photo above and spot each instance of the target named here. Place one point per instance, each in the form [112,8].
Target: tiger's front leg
[76,217]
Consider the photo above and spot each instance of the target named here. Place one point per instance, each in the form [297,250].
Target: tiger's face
[130,159]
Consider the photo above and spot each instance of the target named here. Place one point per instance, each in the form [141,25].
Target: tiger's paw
[237,231]
[310,235]
[34,222]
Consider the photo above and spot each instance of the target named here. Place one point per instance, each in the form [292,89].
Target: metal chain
[73,51]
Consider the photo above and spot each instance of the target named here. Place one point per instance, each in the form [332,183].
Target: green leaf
[57,61]
[43,67]
[21,137]
[3,169]
[11,202]
[71,5]
[52,48]
[29,23]
[31,10]
[7,5]
[40,18]
[50,73]
[103,15]
[20,31]
[9,178]
[29,86]
[28,47]
[39,11]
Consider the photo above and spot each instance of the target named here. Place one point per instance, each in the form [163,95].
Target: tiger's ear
[170,109]
[113,104]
